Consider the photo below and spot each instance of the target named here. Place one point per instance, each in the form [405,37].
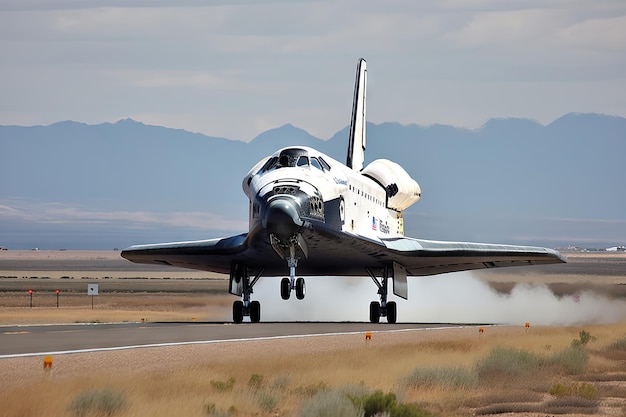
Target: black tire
[238,311]
[374,312]
[285,288]
[300,288]
[392,312]
[255,312]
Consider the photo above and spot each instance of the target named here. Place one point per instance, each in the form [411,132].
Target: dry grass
[161,382]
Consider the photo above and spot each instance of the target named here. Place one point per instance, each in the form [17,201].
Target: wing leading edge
[427,257]
[213,255]
[339,253]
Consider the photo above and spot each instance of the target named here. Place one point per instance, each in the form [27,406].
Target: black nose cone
[282,218]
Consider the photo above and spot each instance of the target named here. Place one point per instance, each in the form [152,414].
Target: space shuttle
[310,215]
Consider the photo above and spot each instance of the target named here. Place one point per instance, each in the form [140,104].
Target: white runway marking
[207,342]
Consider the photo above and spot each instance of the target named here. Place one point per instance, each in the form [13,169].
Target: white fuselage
[327,191]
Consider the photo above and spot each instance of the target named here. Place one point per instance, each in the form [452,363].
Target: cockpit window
[292,158]
[303,161]
[315,163]
[324,164]
[269,164]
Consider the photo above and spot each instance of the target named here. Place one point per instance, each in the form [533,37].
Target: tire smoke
[451,298]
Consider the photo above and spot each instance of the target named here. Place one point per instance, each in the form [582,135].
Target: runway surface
[34,340]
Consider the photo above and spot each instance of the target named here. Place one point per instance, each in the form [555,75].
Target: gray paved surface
[61,338]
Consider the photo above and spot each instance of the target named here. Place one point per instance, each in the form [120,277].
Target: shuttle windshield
[294,157]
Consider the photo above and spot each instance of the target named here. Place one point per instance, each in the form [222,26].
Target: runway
[34,340]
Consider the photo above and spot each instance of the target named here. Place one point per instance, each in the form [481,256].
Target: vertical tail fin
[356,142]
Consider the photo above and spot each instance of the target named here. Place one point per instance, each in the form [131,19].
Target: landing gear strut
[289,252]
[382,308]
[241,284]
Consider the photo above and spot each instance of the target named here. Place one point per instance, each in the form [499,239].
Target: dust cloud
[450,298]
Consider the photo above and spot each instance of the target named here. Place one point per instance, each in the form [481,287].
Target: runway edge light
[47,362]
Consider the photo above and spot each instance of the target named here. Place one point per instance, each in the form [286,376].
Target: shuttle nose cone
[282,218]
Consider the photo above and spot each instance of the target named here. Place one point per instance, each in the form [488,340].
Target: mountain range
[78,186]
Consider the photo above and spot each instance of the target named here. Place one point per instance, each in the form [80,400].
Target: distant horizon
[425,126]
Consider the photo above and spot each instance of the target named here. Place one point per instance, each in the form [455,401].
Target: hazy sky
[237,68]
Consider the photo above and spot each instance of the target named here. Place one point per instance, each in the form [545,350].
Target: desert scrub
[211,410]
[223,386]
[573,359]
[280,382]
[457,377]
[584,337]
[329,403]
[619,344]
[311,390]
[97,402]
[255,382]
[267,401]
[584,390]
[380,404]
[508,361]
[354,390]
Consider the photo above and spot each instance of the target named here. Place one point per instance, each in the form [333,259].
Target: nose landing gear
[286,287]
[289,253]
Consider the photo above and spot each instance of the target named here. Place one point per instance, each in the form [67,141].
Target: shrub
[255,382]
[379,404]
[330,404]
[312,389]
[223,386]
[583,390]
[211,410]
[280,382]
[354,390]
[508,361]
[573,359]
[619,344]
[266,401]
[452,377]
[97,402]
[583,338]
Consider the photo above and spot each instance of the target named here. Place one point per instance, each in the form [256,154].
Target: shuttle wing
[427,257]
[214,255]
[339,253]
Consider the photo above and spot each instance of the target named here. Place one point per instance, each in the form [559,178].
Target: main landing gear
[383,308]
[241,284]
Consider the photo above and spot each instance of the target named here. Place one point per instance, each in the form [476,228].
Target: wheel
[255,312]
[285,288]
[374,312]
[238,311]
[300,288]
[392,312]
